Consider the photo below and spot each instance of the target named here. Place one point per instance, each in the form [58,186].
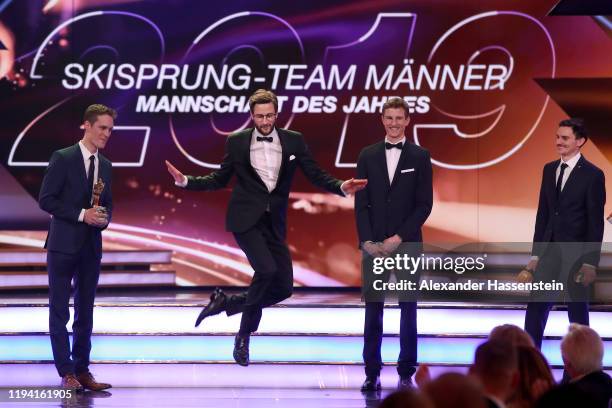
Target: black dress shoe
[241,350]
[218,302]
[371,384]
[404,383]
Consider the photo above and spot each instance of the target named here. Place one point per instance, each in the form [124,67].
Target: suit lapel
[79,164]
[282,136]
[381,159]
[573,177]
[246,154]
[77,156]
[400,163]
[552,182]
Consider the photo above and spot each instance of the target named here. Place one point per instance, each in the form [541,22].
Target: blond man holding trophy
[76,192]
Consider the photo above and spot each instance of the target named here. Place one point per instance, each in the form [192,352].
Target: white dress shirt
[571,163]
[266,157]
[86,155]
[393,156]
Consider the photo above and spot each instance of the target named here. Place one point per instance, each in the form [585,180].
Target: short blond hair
[583,349]
[93,111]
[397,103]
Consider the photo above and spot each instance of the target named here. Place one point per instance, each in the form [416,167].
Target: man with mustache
[264,160]
[74,242]
[570,212]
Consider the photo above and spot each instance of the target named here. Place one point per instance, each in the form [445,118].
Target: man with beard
[264,160]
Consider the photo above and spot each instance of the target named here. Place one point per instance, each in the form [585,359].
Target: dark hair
[577,125]
[512,334]
[532,368]
[262,96]
[93,111]
[495,361]
[454,390]
[406,398]
[396,103]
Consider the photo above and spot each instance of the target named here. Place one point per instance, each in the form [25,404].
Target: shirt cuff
[589,265]
[82,215]
[183,184]
[341,189]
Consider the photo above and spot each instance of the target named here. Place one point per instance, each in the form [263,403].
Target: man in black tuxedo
[391,210]
[74,242]
[570,212]
[264,160]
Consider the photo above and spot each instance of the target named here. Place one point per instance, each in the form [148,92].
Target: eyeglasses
[269,116]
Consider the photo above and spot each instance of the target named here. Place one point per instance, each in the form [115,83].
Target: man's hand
[373,248]
[422,375]
[177,175]
[525,276]
[351,186]
[586,275]
[390,244]
[95,218]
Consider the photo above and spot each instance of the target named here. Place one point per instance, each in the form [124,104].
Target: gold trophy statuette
[97,192]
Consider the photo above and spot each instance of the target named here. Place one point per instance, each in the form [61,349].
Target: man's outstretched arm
[214,181]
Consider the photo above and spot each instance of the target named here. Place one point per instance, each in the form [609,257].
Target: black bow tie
[264,139]
[391,146]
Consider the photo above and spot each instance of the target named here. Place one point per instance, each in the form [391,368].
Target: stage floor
[218,397]
[307,351]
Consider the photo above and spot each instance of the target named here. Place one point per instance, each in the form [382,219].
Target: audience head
[454,390]
[495,366]
[408,398]
[511,334]
[534,376]
[582,350]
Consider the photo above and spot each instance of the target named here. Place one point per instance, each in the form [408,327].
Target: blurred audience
[511,334]
[406,398]
[566,396]
[455,390]
[534,378]
[582,350]
[495,367]
[510,372]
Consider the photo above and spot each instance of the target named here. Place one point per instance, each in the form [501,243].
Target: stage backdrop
[180,72]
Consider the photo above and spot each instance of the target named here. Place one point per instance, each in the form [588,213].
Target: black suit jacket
[250,196]
[578,214]
[597,384]
[382,209]
[64,193]
[491,403]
